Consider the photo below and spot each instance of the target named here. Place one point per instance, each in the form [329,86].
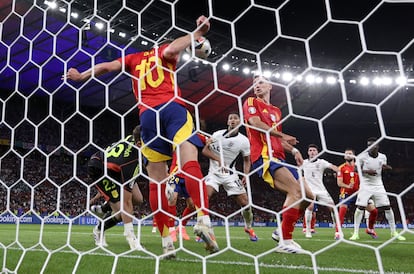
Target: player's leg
[372,217]
[383,204]
[285,181]
[137,197]
[308,220]
[126,215]
[197,190]
[247,213]
[157,171]
[157,152]
[361,204]
[178,125]
[326,199]
[190,208]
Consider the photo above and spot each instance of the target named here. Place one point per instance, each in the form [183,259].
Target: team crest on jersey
[273,117]
[252,110]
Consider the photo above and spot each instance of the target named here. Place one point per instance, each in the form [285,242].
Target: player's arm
[246,168]
[97,70]
[95,198]
[294,151]
[370,172]
[340,182]
[173,50]
[334,167]
[386,167]
[210,154]
[256,122]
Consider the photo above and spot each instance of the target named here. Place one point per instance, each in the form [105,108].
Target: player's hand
[243,181]
[291,140]
[204,24]
[370,172]
[351,185]
[386,167]
[298,158]
[72,74]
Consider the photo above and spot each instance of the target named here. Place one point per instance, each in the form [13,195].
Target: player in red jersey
[348,181]
[176,188]
[158,96]
[267,153]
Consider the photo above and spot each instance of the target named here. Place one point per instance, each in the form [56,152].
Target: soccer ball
[275,235]
[202,48]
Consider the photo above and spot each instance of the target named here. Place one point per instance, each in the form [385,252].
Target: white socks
[357,220]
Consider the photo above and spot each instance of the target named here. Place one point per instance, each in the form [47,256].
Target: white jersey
[368,162]
[313,173]
[227,148]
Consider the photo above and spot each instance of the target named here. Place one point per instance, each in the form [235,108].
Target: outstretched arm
[97,70]
[173,50]
[256,122]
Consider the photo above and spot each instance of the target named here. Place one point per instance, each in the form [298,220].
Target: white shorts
[231,184]
[376,193]
[324,198]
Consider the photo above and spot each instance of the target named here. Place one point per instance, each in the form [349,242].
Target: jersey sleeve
[326,164]
[246,147]
[250,108]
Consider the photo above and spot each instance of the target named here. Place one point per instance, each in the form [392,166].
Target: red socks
[162,219]
[290,217]
[186,212]
[193,185]
[372,218]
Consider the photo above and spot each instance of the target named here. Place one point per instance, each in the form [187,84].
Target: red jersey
[271,116]
[155,77]
[174,167]
[349,175]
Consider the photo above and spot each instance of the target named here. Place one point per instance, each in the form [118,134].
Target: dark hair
[372,139]
[313,146]
[351,149]
[233,112]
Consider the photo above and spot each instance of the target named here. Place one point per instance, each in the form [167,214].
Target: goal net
[341,72]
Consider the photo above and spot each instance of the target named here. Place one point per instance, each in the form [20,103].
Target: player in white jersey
[313,169]
[226,145]
[372,163]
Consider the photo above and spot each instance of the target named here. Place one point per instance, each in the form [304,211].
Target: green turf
[55,250]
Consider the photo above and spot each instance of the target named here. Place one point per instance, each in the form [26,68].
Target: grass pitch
[63,249]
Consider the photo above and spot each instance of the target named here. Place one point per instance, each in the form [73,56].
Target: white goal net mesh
[341,71]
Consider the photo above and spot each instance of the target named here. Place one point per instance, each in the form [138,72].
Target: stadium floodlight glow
[267,73]
[377,81]
[246,70]
[310,79]
[100,25]
[226,66]
[330,80]
[386,81]
[352,81]
[277,75]
[364,81]
[401,80]
[145,43]
[62,9]
[287,76]
[51,4]
[318,80]
[74,15]
[299,78]
[122,34]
